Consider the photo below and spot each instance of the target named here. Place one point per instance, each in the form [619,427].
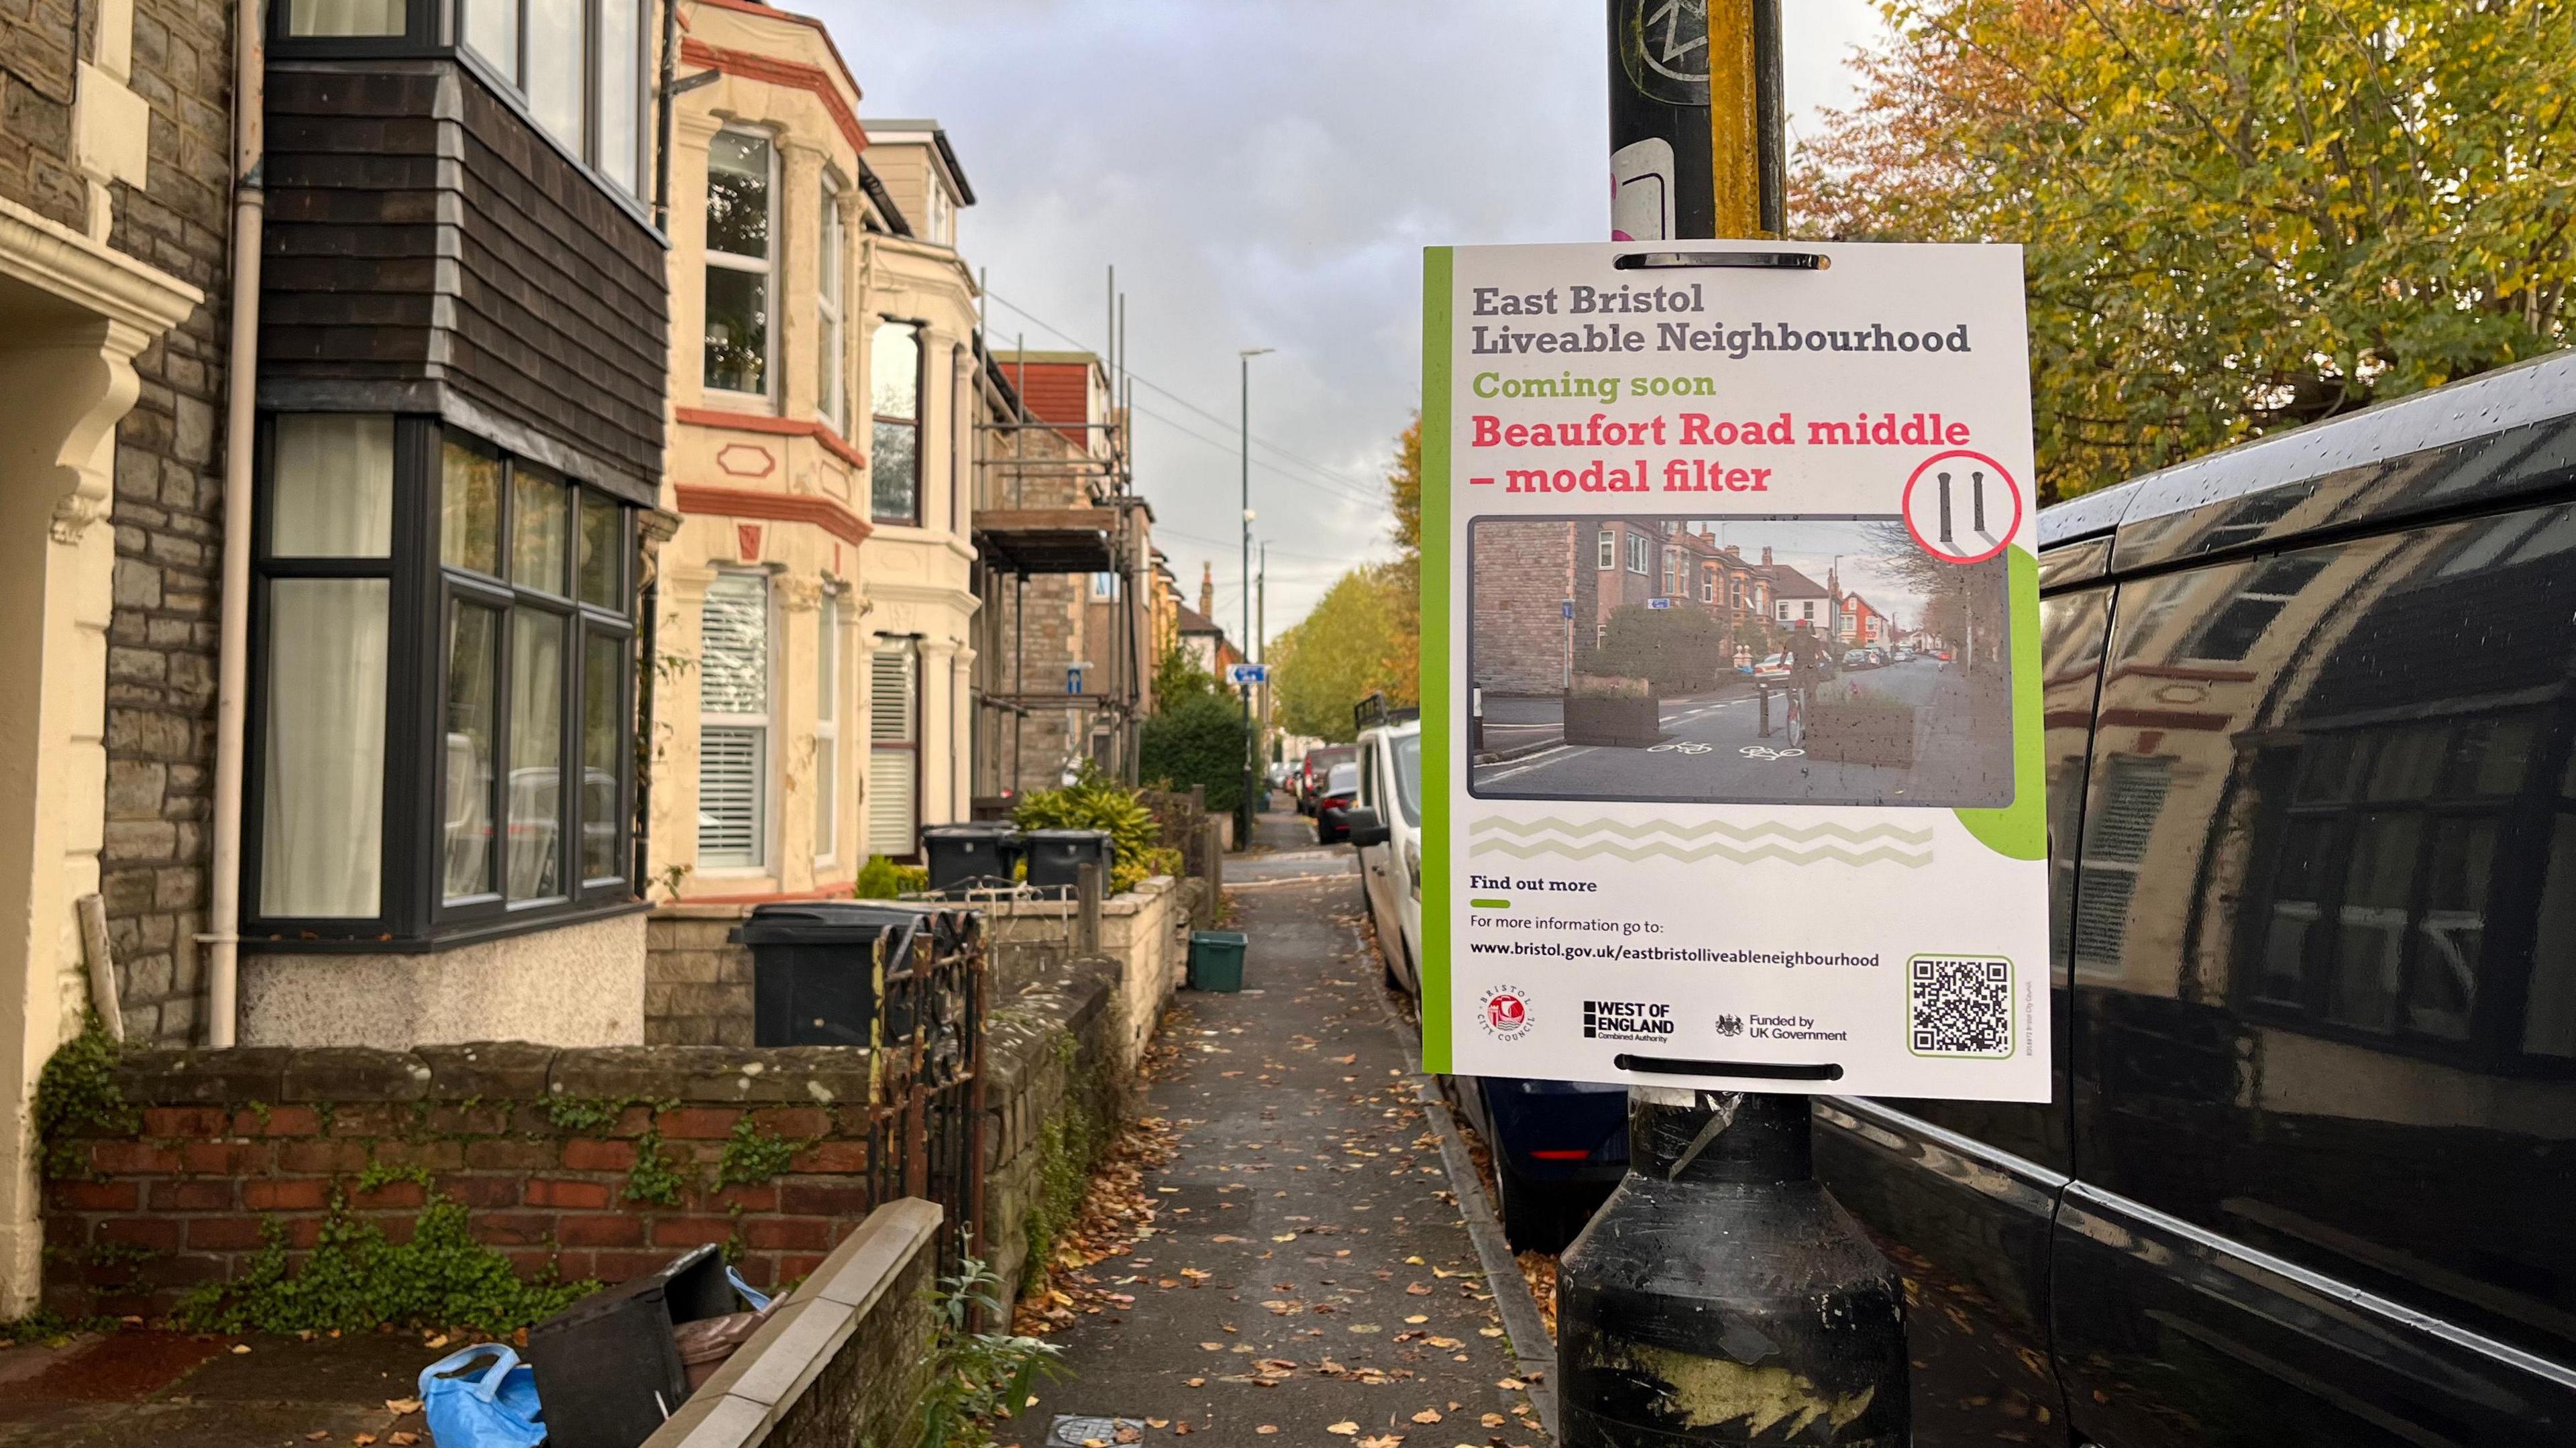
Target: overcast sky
[1265,174]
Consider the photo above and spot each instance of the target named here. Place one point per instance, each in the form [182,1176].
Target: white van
[1390,845]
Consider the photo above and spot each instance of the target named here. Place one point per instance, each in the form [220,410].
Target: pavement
[160,1389]
[1714,748]
[1312,1278]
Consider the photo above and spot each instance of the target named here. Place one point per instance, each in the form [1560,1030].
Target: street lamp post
[1246,814]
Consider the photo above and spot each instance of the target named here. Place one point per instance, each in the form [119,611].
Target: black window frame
[435,29]
[413,914]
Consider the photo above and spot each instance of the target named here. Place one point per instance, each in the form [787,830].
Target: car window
[1343,779]
[2323,929]
[1407,750]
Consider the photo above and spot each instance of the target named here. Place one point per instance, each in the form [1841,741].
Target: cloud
[1262,173]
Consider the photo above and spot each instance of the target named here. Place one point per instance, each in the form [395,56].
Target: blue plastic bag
[496,1408]
[758,1299]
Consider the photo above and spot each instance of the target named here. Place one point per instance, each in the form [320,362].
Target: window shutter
[729,796]
[891,804]
[733,649]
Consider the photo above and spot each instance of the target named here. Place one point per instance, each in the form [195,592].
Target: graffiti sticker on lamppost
[1750,523]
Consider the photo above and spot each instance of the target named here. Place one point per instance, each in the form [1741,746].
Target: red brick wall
[1524,572]
[233,1140]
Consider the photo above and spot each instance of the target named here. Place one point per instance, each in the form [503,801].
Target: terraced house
[813,632]
[323,569]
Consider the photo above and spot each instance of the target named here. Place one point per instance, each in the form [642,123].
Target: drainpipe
[241,385]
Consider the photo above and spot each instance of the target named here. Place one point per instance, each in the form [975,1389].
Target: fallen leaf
[1447,1343]
[1284,1237]
[438,1341]
[1492,1420]
[241,1347]
[1198,1382]
[1266,1429]
[1158,1422]
[1417,1319]
[402,1440]
[1345,1428]
[1511,1385]
[1489,1332]
[1212,1346]
[317,1435]
[1195,1275]
[1222,1237]
[1182,1427]
[1382,1440]
[362,1440]
[1427,1415]
[1413,1261]
[400,1406]
[1127,1435]
[1416,1289]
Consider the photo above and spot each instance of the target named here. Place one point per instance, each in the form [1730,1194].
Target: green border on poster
[1440,740]
[2019,831]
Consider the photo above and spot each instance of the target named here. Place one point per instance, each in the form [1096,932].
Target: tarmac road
[1714,749]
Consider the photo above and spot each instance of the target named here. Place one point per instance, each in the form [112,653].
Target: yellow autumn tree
[2239,215]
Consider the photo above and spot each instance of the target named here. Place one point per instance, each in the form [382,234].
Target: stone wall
[1145,932]
[843,1361]
[1524,572]
[573,985]
[169,527]
[1052,1086]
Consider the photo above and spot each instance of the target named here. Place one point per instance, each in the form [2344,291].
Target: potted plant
[1612,709]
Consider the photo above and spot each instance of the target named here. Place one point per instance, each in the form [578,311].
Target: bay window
[829,342]
[827,731]
[441,632]
[741,220]
[894,460]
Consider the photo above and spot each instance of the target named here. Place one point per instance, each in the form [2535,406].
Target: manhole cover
[1073,1432]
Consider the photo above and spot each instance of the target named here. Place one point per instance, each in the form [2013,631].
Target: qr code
[1959,1005]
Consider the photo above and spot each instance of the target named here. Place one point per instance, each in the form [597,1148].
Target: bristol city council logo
[1504,1012]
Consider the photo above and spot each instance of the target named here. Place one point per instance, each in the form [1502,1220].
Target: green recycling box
[1216,960]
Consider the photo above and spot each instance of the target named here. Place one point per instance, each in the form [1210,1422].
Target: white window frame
[765,267]
[760,727]
[909,746]
[1608,562]
[1708,586]
[828,688]
[832,380]
[1640,557]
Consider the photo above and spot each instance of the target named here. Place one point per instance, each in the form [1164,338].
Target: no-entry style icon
[1962,506]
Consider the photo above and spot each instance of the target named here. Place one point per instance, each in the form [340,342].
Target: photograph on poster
[1782,660]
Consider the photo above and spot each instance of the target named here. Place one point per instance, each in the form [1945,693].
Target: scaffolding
[1055,500]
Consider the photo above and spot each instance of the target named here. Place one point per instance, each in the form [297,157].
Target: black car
[2309,1177]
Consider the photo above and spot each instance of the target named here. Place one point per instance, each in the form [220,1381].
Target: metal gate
[930,1136]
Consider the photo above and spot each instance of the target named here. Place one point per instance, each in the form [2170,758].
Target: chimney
[1735,551]
[1207,589]
[1766,555]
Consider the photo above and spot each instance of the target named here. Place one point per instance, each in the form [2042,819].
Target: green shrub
[1094,801]
[883,879]
[1200,741]
[1681,649]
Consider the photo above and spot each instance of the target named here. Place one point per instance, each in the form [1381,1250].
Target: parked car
[1558,1146]
[2305,1180]
[1858,659]
[1904,655]
[1318,764]
[1341,786]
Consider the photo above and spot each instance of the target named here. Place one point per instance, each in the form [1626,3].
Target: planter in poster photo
[1608,710]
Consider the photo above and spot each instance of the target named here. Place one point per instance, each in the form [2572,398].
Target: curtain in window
[334,489]
[536,755]
[322,822]
[345,17]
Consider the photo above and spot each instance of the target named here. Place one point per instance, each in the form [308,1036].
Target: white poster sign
[1730,669]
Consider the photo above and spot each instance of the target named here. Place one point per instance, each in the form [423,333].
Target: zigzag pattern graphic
[1769,841]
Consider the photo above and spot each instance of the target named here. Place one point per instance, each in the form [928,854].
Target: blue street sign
[1568,607]
[1659,603]
[1073,678]
[1242,674]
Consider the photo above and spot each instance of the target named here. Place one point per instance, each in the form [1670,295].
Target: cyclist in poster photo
[1806,665]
